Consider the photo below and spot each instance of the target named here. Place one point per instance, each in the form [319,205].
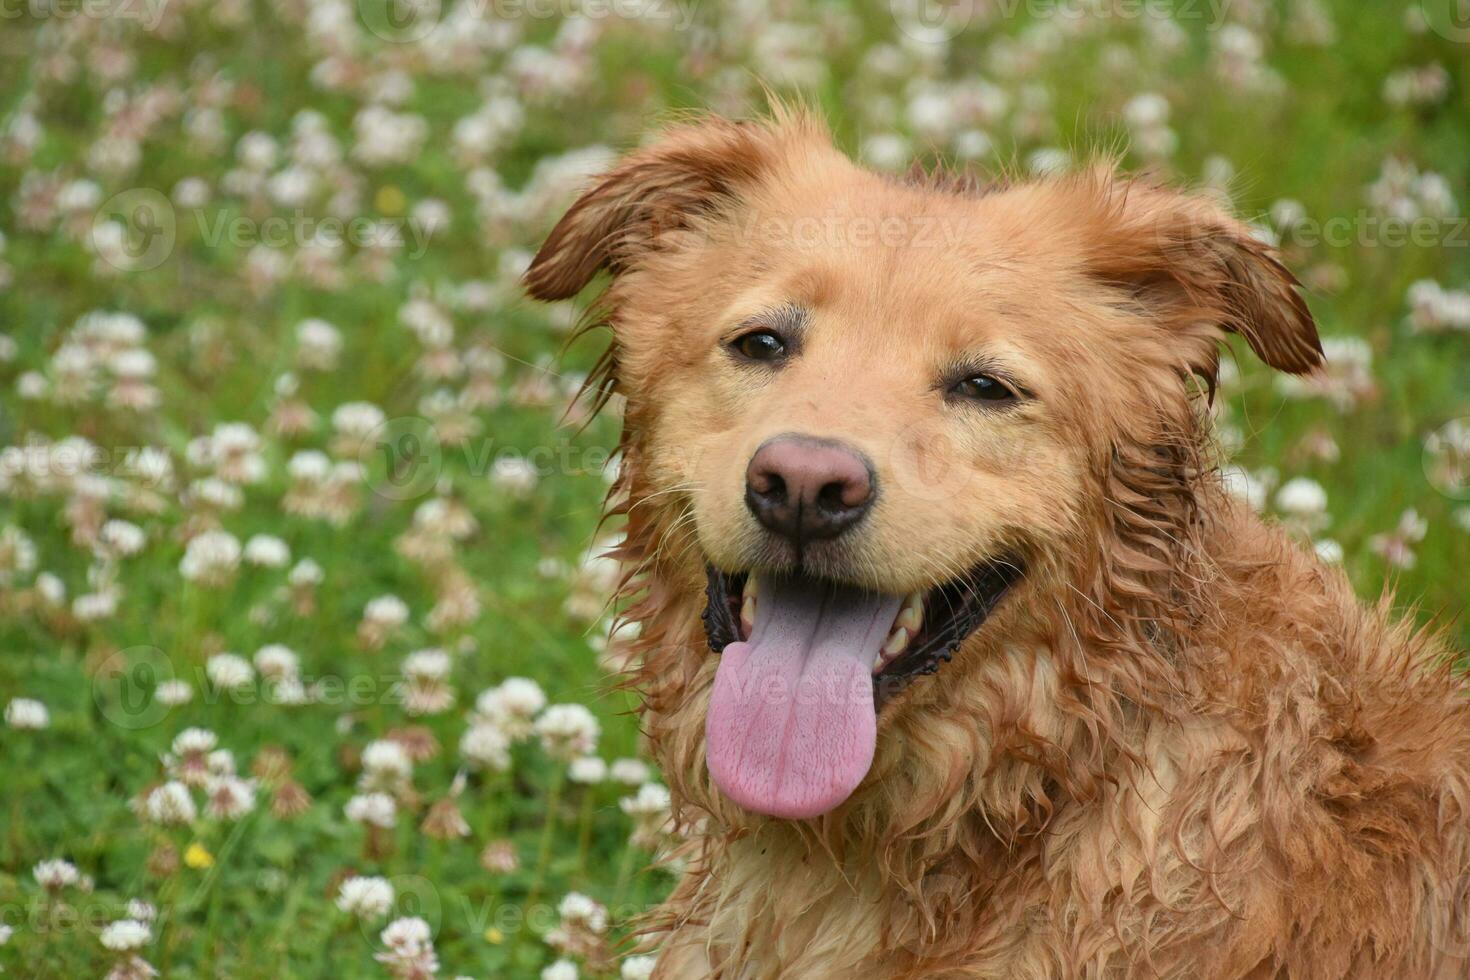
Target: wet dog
[958,658]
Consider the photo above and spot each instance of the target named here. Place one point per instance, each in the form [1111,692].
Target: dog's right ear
[694,169]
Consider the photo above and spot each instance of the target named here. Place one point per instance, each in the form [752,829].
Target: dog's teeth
[752,586]
[912,615]
[747,614]
[897,641]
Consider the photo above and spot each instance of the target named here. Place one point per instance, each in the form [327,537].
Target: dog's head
[882,406]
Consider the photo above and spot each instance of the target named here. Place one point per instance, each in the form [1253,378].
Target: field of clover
[305,656]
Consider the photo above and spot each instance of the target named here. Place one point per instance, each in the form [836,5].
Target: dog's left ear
[692,170]
[1199,271]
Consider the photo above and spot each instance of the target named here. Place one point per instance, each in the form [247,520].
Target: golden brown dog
[957,657]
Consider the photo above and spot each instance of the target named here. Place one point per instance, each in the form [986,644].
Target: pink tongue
[791,724]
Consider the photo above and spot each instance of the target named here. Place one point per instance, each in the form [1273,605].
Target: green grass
[265,907]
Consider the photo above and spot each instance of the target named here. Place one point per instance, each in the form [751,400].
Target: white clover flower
[94,606]
[17,553]
[651,799]
[432,664]
[630,772]
[560,970]
[194,741]
[579,910]
[388,759]
[357,419]
[309,466]
[365,897]
[1302,497]
[228,797]
[51,588]
[407,932]
[587,770]
[216,493]
[122,538]
[126,935]
[1245,486]
[410,952]
[27,714]
[56,874]
[211,558]
[386,611]
[1329,551]
[638,967]
[228,671]
[267,551]
[220,762]
[172,693]
[141,910]
[257,151]
[305,572]
[514,475]
[567,731]
[233,449]
[170,803]
[277,662]
[375,809]
[513,705]
[1146,110]
[318,344]
[486,746]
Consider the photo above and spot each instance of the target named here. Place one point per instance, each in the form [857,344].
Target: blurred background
[304,648]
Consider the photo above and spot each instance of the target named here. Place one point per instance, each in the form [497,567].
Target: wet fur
[1182,748]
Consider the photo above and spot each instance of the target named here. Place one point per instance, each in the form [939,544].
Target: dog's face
[880,407]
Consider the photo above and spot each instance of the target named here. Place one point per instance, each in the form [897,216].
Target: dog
[958,656]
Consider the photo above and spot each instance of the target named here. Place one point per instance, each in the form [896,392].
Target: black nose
[808,489]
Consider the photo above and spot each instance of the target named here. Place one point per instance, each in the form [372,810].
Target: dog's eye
[760,345]
[984,388]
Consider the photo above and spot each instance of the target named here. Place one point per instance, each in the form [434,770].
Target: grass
[255,896]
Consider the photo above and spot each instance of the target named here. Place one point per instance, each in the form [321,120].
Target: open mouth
[928,629]
[806,665]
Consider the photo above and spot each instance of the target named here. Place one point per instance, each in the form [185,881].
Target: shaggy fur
[1180,748]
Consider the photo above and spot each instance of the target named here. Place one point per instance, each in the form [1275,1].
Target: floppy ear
[1199,271]
[694,169]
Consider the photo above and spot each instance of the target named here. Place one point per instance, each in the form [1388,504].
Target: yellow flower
[494,935]
[390,200]
[198,857]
